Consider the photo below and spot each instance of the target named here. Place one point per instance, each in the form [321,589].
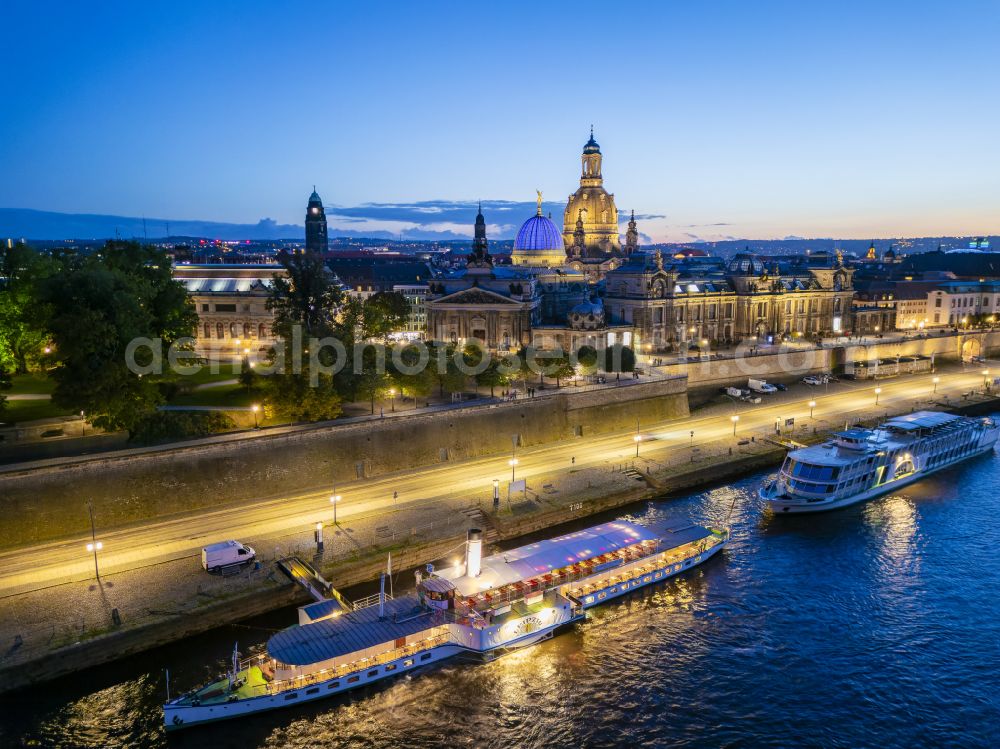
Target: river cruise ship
[858,464]
[482,607]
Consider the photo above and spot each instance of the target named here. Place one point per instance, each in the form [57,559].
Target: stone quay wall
[47,502]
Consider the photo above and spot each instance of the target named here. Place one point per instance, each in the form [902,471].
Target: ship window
[312,691]
[408,662]
[353,679]
[291,695]
[333,685]
[373,672]
[425,656]
[390,667]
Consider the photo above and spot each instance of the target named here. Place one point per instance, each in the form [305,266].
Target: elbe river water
[876,625]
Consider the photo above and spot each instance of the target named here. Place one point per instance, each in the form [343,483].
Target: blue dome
[538,233]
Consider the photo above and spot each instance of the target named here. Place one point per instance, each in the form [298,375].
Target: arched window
[220,332]
[232,330]
[246,330]
[208,330]
[261,331]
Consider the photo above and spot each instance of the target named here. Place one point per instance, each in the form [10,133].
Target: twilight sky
[726,119]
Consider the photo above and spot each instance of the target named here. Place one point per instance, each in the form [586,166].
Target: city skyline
[743,124]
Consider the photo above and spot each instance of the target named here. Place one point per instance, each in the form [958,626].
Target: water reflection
[828,629]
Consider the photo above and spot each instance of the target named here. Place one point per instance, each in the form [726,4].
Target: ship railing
[369,601]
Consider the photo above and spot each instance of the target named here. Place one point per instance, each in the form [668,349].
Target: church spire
[631,236]
[479,243]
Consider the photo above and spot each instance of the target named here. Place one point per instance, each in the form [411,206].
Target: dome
[538,233]
[314,198]
[745,264]
[591,145]
[587,315]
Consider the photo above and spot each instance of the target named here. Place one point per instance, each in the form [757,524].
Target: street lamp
[986,378]
[94,546]
[392,399]
[513,467]
[637,439]
[255,408]
[734,418]
[496,494]
[877,391]
[334,500]
[812,405]
[935,380]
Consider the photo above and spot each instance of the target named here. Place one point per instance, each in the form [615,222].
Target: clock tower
[316,240]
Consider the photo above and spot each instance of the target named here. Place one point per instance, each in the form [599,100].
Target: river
[873,625]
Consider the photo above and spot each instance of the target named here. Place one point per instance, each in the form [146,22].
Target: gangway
[305,574]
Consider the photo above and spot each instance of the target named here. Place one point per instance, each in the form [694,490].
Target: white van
[226,554]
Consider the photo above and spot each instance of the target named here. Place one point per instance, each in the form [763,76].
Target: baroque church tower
[316,240]
[594,206]
[631,236]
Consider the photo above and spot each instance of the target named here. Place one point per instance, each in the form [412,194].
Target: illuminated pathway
[448,485]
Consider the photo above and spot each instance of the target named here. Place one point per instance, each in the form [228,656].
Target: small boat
[859,464]
[482,607]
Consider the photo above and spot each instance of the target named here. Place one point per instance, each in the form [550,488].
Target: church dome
[591,145]
[587,315]
[745,264]
[538,233]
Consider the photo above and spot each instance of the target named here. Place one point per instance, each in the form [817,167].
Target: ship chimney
[474,553]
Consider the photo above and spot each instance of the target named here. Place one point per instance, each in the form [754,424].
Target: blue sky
[727,119]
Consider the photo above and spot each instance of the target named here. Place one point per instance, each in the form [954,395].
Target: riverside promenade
[55,625]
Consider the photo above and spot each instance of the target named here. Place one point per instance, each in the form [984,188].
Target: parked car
[751,398]
[815,380]
[781,387]
[215,557]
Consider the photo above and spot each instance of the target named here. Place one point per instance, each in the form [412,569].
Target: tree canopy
[98,304]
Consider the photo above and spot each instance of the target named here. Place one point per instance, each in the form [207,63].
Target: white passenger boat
[859,464]
[483,607]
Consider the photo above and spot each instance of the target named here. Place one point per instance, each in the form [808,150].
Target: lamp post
[255,408]
[319,538]
[692,438]
[392,399]
[513,467]
[812,405]
[735,419]
[986,379]
[877,392]
[637,439]
[496,494]
[94,546]
[935,380]
[334,500]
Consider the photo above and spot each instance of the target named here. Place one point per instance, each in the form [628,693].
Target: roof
[224,285]
[921,420]
[538,558]
[355,630]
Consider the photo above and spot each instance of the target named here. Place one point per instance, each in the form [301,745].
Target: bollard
[116,618]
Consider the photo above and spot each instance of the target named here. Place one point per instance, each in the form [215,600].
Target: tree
[306,303]
[247,378]
[587,357]
[23,315]
[493,376]
[446,372]
[559,368]
[383,313]
[412,379]
[99,304]
[618,359]
[292,397]
[5,384]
